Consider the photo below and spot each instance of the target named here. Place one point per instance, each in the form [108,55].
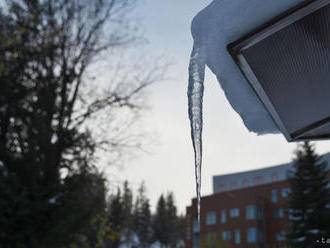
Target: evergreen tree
[160,224]
[166,222]
[116,219]
[145,236]
[142,218]
[172,221]
[128,220]
[309,199]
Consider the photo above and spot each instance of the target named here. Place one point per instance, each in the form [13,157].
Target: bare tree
[49,48]
[55,115]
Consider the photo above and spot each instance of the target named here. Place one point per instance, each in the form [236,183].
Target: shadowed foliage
[50,188]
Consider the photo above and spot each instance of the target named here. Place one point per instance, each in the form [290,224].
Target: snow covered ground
[135,243]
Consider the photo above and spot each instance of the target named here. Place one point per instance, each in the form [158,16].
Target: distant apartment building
[246,209]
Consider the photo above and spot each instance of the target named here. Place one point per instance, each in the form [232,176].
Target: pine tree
[172,221]
[166,223]
[309,200]
[116,218]
[142,218]
[128,221]
[145,235]
[160,224]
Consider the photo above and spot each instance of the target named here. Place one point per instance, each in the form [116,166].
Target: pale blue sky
[228,146]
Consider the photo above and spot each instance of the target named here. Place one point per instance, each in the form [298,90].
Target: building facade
[246,209]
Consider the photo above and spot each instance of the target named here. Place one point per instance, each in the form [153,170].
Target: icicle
[195,101]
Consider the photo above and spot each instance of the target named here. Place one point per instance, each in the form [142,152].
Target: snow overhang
[287,62]
[272,59]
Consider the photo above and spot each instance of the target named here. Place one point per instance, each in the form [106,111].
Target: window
[226,235]
[280,236]
[254,235]
[234,212]
[285,192]
[252,212]
[223,216]
[211,218]
[237,236]
[279,213]
[274,195]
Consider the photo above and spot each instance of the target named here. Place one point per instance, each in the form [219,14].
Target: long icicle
[195,101]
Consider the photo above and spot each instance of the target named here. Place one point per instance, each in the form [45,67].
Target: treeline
[134,224]
[79,214]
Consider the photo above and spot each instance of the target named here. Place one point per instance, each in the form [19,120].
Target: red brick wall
[259,195]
